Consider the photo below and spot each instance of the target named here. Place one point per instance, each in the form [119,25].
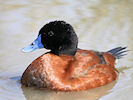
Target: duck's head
[58,36]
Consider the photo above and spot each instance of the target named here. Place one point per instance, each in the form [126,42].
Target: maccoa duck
[66,67]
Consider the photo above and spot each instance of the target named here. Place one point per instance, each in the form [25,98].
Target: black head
[59,37]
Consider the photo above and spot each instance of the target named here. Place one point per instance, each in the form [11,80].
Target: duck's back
[88,69]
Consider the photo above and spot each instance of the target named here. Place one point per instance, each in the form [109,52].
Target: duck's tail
[118,52]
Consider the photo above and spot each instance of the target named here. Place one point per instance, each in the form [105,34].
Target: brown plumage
[68,73]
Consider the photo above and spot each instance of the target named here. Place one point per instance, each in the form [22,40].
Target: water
[99,24]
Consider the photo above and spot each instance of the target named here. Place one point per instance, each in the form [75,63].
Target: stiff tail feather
[118,52]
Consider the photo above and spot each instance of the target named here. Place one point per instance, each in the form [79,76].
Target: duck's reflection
[93,94]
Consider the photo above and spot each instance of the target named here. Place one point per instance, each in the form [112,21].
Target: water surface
[99,24]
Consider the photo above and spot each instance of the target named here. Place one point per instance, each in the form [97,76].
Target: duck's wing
[118,52]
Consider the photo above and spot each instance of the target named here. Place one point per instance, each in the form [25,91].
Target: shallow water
[100,25]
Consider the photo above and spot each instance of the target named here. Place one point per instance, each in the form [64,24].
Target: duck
[66,67]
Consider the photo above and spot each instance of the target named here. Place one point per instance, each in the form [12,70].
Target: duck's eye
[50,33]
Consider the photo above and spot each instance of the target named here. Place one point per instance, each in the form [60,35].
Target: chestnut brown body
[70,73]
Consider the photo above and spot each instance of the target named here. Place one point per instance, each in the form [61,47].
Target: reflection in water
[92,94]
[100,25]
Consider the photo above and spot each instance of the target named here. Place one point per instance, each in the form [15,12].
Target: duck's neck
[65,51]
